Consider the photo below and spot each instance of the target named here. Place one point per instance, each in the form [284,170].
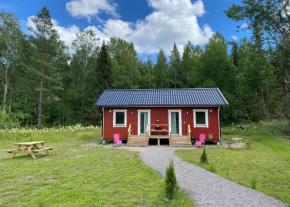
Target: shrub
[254,182]
[203,157]
[171,187]
[8,121]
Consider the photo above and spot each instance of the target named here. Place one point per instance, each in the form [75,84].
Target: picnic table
[239,142]
[30,148]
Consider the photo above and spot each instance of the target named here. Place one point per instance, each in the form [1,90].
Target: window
[120,118]
[200,118]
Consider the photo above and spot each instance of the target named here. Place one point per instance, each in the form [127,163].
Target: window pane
[175,122]
[120,118]
[142,130]
[200,117]
[144,122]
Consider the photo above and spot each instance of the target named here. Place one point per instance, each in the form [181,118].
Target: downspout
[220,131]
[103,124]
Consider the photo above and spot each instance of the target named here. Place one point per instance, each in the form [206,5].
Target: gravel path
[204,187]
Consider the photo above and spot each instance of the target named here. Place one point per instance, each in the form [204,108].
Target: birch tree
[10,38]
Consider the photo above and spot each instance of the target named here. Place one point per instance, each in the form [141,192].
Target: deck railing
[150,130]
[130,130]
[155,131]
[188,131]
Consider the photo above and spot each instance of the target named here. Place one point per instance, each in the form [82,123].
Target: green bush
[171,187]
[254,182]
[8,121]
[203,157]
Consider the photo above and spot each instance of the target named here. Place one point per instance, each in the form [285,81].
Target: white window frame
[206,118]
[114,118]
[180,120]
[139,117]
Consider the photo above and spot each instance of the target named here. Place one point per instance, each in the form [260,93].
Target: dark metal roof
[162,97]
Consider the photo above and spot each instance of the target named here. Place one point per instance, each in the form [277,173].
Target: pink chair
[201,140]
[117,141]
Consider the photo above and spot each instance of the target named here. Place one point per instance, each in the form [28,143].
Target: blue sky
[150,24]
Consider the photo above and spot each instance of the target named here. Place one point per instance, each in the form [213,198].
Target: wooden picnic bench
[30,148]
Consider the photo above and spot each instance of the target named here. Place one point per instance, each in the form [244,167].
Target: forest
[45,83]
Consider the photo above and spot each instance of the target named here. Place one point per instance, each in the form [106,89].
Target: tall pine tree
[49,47]
[175,67]
[161,71]
[104,70]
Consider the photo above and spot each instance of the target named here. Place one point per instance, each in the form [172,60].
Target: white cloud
[91,8]
[29,23]
[244,26]
[118,28]
[68,34]
[170,21]
[234,37]
[177,7]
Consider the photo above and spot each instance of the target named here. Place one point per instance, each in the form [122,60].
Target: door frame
[180,120]
[139,119]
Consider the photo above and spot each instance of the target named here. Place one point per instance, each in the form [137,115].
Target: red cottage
[161,115]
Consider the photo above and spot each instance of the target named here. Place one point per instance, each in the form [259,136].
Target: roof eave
[161,105]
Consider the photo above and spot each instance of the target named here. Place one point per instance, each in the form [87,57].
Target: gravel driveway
[204,187]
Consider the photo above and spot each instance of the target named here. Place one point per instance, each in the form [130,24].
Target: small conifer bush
[171,187]
[203,157]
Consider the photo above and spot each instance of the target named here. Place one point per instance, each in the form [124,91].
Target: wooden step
[137,137]
[137,141]
[159,137]
[180,141]
[180,144]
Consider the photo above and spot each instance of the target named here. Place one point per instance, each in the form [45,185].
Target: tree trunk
[175,78]
[41,81]
[5,91]
[10,100]
[244,109]
[40,99]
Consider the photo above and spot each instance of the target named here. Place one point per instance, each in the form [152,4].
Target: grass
[265,167]
[75,174]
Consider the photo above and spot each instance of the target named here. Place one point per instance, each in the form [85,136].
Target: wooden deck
[143,140]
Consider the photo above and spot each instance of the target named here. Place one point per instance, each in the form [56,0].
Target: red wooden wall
[161,114]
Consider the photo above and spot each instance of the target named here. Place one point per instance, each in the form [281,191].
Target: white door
[143,121]
[175,121]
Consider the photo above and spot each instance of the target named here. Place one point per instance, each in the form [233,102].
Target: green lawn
[267,164]
[77,175]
